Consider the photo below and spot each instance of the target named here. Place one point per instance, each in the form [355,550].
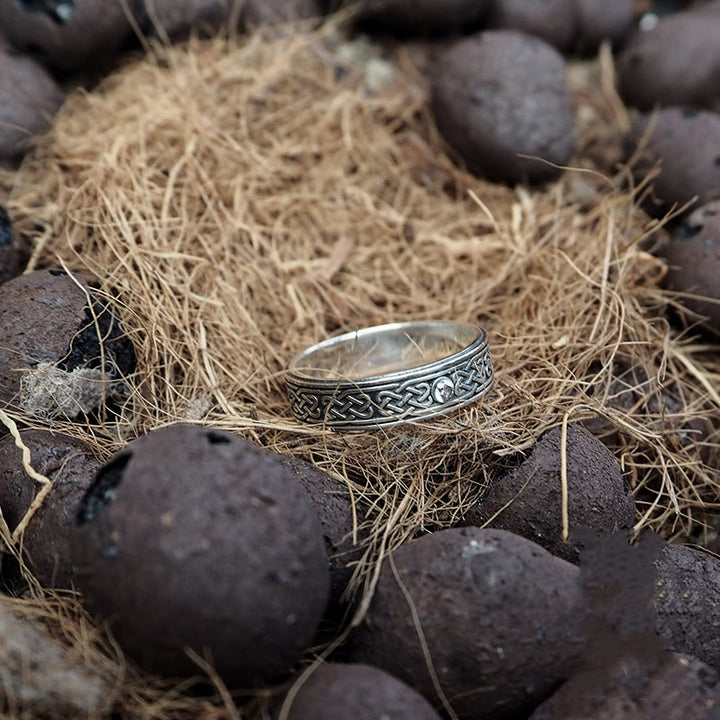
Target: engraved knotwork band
[390,374]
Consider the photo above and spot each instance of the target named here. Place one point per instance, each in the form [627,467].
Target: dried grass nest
[241,199]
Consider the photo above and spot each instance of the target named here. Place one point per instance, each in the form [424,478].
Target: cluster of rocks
[240,556]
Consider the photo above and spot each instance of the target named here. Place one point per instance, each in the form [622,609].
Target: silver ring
[390,374]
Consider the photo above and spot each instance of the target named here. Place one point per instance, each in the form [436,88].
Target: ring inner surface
[385,350]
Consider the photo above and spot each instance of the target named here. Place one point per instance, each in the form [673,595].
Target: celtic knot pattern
[420,393]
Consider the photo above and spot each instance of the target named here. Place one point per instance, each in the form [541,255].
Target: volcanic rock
[528,500]
[495,613]
[70,465]
[502,103]
[219,550]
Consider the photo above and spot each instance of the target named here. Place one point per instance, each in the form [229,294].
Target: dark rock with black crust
[52,362]
[357,692]
[693,257]
[497,613]
[12,258]
[70,466]
[29,98]
[675,63]
[528,500]
[218,550]
[502,103]
[687,601]
[554,21]
[684,143]
[86,34]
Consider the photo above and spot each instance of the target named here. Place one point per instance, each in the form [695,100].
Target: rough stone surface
[358,692]
[12,258]
[423,17]
[680,688]
[92,32]
[500,95]
[497,612]
[50,358]
[43,678]
[554,21]
[219,549]
[675,63]
[600,20]
[29,98]
[688,168]
[528,500]
[70,466]
[333,506]
[687,601]
[693,257]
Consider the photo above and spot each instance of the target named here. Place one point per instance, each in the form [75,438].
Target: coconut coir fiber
[242,199]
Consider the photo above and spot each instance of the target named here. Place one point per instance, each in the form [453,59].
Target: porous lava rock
[219,551]
[496,613]
[355,691]
[257,12]
[685,142]
[41,675]
[70,466]
[675,63]
[680,688]
[333,505]
[554,21]
[501,101]
[29,98]
[693,257]
[600,20]
[421,17]
[73,35]
[52,363]
[528,500]
[12,258]
[687,602]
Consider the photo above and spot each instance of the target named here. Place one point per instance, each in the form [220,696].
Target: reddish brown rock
[12,258]
[86,34]
[528,500]
[29,98]
[603,20]
[669,140]
[693,257]
[357,692]
[51,361]
[675,63]
[554,21]
[70,465]
[501,100]
[332,503]
[219,549]
[497,614]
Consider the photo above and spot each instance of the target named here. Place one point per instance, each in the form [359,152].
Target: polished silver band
[390,374]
